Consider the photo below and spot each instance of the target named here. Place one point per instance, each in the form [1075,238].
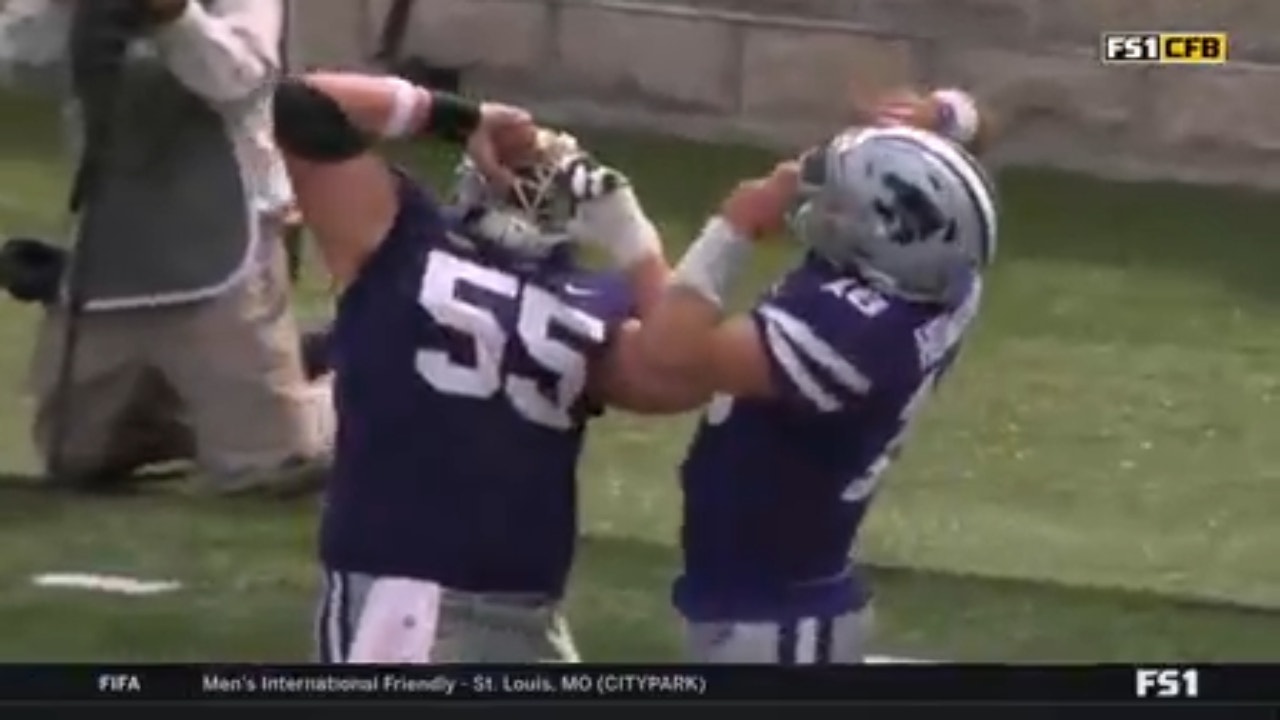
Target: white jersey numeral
[474,316]
[868,301]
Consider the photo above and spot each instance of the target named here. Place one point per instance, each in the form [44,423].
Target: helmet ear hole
[813,166]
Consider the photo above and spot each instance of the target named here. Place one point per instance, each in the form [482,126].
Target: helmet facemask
[531,217]
[823,216]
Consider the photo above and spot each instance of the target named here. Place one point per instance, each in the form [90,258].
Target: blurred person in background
[188,347]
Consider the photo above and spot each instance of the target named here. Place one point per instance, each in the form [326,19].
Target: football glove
[607,212]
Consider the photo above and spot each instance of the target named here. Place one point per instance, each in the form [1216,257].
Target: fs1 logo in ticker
[1167,683]
[1157,48]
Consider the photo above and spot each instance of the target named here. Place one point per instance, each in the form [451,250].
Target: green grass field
[1095,482]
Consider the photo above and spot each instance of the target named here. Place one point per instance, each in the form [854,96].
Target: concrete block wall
[778,71]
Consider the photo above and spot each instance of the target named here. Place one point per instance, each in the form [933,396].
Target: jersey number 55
[542,321]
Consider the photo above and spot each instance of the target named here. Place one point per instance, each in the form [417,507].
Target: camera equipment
[31,270]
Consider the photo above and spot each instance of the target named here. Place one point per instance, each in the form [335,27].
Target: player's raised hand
[758,207]
[904,106]
[949,112]
[607,212]
[586,180]
[506,135]
[579,176]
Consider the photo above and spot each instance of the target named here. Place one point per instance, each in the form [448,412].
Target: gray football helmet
[910,211]
[532,217]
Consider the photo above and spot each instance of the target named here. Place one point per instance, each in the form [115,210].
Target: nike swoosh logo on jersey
[578,291]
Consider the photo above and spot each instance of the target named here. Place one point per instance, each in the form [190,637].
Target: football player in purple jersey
[818,383]
[469,354]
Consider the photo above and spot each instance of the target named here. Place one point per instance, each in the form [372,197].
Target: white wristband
[712,262]
[404,100]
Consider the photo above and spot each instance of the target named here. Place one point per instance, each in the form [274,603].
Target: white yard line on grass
[105,583]
[891,660]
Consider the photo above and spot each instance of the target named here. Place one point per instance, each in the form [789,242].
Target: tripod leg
[72,303]
[293,244]
[60,403]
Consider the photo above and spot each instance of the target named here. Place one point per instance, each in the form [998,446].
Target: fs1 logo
[1156,48]
[1169,683]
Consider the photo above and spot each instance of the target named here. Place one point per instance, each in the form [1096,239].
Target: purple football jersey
[775,490]
[461,375]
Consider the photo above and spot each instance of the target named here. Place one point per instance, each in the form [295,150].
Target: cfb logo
[1164,48]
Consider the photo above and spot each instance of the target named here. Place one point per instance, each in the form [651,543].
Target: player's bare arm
[623,378]
[688,339]
[683,376]
[611,217]
[328,125]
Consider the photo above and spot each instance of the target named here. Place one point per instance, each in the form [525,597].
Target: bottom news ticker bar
[870,683]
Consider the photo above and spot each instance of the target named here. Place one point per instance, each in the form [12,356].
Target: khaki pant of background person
[219,379]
